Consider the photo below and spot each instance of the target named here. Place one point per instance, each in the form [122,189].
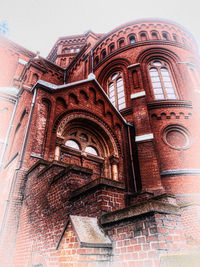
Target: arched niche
[89,142]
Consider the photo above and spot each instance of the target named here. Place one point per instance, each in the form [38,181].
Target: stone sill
[150,206]
[97,183]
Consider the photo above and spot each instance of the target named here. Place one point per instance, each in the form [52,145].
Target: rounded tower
[150,70]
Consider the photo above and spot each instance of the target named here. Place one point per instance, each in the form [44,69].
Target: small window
[132,39]
[71,50]
[73,144]
[154,36]
[111,47]
[143,36]
[91,150]
[121,43]
[165,36]
[77,49]
[175,38]
[103,54]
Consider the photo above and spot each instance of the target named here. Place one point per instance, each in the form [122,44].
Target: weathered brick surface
[38,198]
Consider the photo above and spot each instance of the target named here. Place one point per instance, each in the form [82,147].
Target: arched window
[111,47]
[91,150]
[161,80]
[143,36]
[71,50]
[103,54]
[154,35]
[77,49]
[121,43]
[73,144]
[96,61]
[132,39]
[175,37]
[165,36]
[82,140]
[116,90]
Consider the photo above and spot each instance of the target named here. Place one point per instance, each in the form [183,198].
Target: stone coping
[65,166]
[150,206]
[96,183]
[71,168]
[89,232]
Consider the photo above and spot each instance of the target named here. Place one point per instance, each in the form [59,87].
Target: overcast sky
[37,24]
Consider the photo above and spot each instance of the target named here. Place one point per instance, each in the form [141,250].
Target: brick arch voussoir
[159,53]
[115,65]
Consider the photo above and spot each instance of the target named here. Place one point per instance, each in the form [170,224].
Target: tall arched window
[116,90]
[161,80]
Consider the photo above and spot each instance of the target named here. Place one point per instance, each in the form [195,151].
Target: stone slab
[89,233]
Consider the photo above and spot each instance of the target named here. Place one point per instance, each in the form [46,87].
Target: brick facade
[106,127]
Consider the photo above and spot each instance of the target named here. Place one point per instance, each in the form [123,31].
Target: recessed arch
[167,58]
[88,134]
[94,121]
[117,64]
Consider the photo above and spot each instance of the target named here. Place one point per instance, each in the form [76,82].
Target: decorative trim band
[137,95]
[144,137]
[176,172]
[169,104]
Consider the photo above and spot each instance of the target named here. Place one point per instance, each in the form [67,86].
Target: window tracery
[83,141]
[116,90]
[161,80]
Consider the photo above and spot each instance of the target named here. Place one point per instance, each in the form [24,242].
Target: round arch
[90,133]
[171,60]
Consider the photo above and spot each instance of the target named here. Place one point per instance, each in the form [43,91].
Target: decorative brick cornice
[169,104]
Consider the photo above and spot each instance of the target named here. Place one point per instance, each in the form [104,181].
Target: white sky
[37,24]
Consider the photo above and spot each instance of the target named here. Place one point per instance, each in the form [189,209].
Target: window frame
[110,81]
[162,82]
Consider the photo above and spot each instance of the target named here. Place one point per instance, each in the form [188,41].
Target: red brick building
[100,150]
